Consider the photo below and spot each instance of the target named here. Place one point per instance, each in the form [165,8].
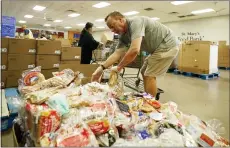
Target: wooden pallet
[224,68]
[202,76]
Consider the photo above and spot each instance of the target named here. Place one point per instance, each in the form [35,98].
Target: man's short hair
[114,14]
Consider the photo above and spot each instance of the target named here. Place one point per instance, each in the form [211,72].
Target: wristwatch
[103,67]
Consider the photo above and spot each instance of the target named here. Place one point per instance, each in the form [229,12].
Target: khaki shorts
[159,62]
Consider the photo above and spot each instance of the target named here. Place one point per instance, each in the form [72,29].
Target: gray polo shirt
[156,36]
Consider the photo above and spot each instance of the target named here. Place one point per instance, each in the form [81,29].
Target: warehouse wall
[212,29]
[98,34]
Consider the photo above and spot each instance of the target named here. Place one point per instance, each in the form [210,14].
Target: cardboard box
[71,62]
[3,61]
[22,46]
[85,80]
[222,42]
[12,78]
[49,47]
[48,61]
[86,69]
[71,53]
[20,62]
[223,55]
[200,57]
[48,72]
[64,42]
[3,79]
[4,45]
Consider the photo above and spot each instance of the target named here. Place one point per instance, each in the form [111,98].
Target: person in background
[27,33]
[136,34]
[43,37]
[87,43]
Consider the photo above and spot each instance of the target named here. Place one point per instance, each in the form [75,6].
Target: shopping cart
[133,81]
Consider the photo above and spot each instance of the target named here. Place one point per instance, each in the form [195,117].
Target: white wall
[98,34]
[211,29]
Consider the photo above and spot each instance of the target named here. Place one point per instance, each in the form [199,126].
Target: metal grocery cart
[133,81]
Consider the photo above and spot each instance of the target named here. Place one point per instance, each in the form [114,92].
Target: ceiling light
[155,18]
[39,8]
[100,27]
[73,15]
[81,24]
[47,25]
[58,21]
[101,5]
[130,13]
[180,2]
[22,22]
[68,27]
[99,20]
[202,11]
[28,16]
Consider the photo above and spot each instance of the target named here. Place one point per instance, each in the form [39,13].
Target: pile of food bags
[60,111]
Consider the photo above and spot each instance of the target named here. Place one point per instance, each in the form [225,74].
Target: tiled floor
[207,99]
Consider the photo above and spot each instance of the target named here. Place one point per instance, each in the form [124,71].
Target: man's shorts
[158,63]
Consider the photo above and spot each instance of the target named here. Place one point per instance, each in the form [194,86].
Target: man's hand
[97,74]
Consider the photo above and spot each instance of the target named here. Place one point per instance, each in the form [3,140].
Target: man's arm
[118,53]
[131,54]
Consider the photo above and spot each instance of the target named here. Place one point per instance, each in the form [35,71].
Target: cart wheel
[138,82]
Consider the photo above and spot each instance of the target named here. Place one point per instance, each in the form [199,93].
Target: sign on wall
[188,36]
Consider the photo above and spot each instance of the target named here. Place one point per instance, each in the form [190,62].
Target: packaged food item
[109,138]
[49,121]
[59,103]
[39,97]
[77,135]
[153,103]
[66,76]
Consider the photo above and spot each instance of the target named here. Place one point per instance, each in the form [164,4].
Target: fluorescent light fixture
[130,13]
[101,5]
[100,27]
[28,16]
[57,21]
[47,25]
[22,22]
[99,20]
[73,15]
[68,27]
[81,24]
[155,18]
[202,11]
[180,2]
[39,8]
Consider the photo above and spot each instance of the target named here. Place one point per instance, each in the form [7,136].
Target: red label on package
[30,78]
[49,123]
[99,127]
[205,141]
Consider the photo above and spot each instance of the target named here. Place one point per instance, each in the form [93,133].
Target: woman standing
[87,43]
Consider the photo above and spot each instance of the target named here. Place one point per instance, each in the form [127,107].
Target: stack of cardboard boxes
[223,54]
[48,56]
[17,56]
[200,57]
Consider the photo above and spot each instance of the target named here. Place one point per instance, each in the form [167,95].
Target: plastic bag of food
[216,126]
[39,97]
[59,103]
[77,135]
[109,138]
[30,77]
[66,75]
